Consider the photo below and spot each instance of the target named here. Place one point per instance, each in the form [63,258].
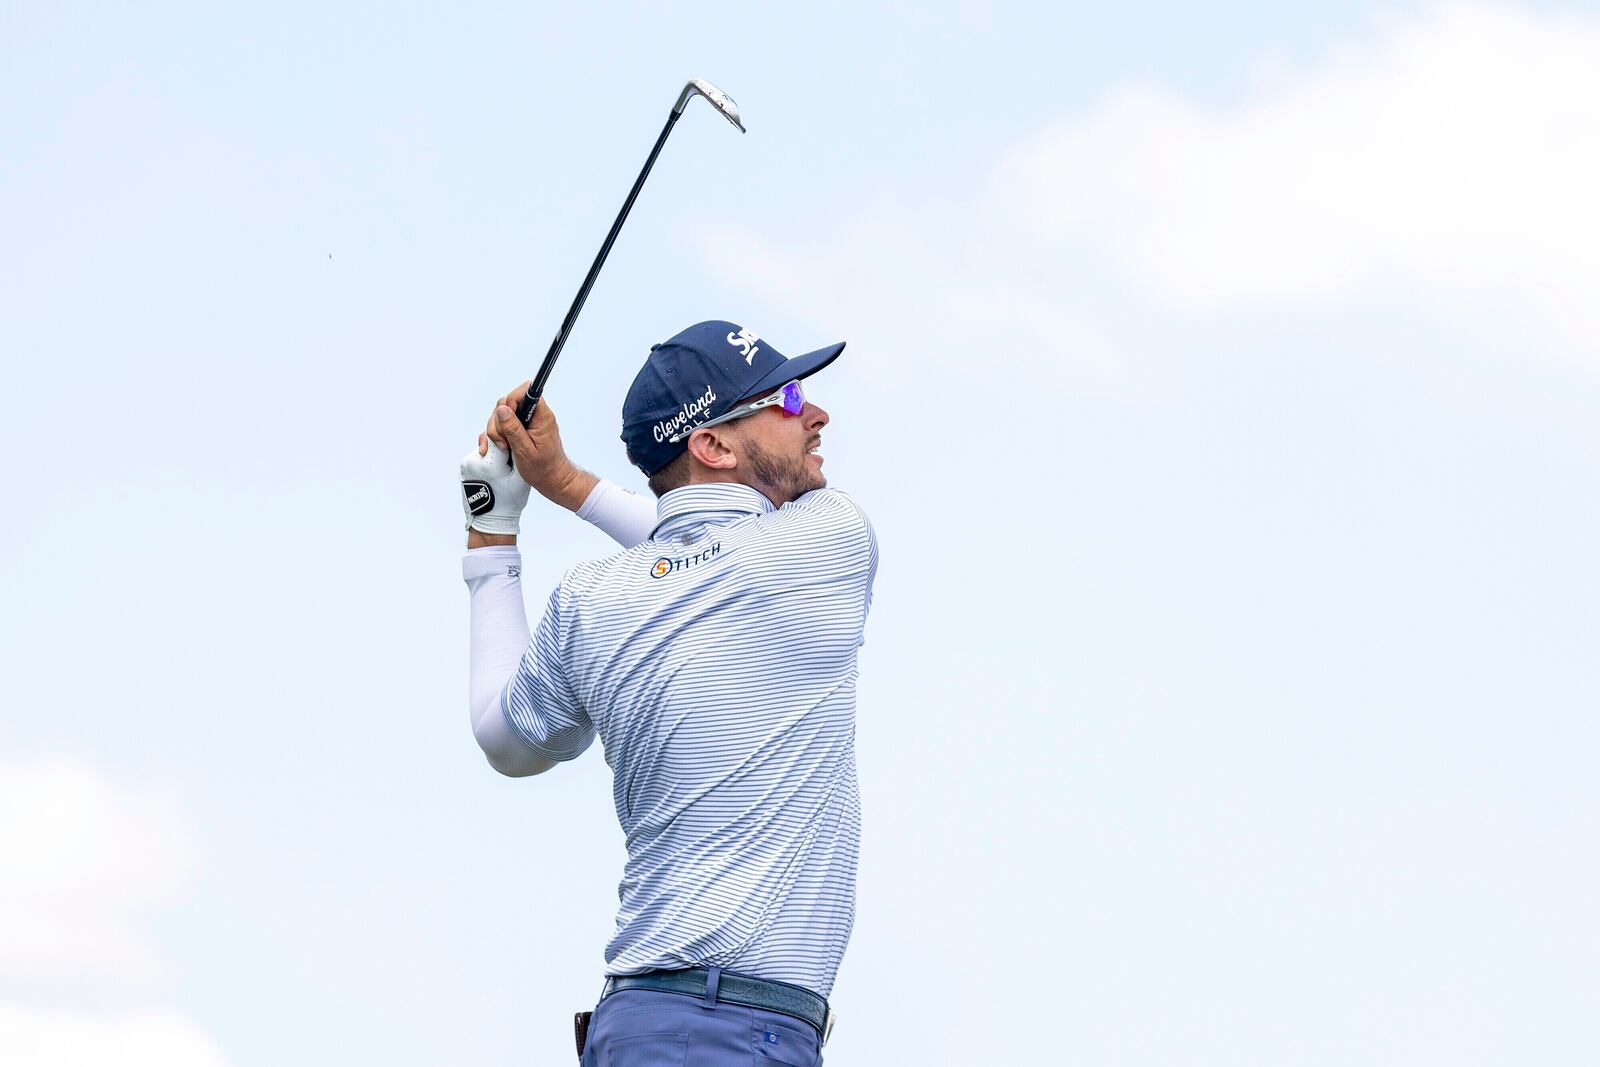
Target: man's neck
[710,477]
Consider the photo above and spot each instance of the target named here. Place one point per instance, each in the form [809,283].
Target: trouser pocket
[648,1050]
[777,1042]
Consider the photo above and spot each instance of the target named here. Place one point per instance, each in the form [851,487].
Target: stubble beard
[782,478]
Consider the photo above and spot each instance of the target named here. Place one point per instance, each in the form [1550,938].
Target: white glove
[492,492]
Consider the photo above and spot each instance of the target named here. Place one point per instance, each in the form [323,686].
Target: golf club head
[716,97]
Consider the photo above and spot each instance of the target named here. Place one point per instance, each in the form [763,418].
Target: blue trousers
[646,1028]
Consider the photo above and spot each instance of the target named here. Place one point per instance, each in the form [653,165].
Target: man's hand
[494,495]
[537,449]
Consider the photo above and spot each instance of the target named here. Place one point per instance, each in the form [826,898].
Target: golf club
[696,87]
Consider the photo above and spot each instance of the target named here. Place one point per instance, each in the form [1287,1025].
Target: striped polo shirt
[717,663]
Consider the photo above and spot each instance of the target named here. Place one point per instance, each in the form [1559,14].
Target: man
[716,660]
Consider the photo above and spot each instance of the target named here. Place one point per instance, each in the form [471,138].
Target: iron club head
[716,97]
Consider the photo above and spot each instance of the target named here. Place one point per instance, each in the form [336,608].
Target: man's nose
[816,417]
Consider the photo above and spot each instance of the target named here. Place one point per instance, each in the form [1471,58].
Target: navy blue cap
[698,375]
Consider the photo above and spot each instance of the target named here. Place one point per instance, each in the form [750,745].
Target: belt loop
[713,979]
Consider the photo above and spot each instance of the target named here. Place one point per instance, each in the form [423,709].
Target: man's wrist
[479,539]
[573,490]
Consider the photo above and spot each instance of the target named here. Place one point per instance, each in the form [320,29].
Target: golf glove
[492,492]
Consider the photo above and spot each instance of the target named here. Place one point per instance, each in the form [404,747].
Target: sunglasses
[791,399]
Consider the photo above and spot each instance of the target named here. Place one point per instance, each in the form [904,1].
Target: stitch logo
[745,342]
[669,565]
[770,1036]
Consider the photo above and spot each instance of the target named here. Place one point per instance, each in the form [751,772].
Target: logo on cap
[745,342]
[688,413]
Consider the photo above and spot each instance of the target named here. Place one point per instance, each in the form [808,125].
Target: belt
[794,1001]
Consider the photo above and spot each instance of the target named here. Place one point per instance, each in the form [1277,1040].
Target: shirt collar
[705,500]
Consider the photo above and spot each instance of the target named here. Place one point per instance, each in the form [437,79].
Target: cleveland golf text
[667,427]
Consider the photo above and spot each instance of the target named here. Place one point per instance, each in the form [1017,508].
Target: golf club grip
[526,406]
[530,400]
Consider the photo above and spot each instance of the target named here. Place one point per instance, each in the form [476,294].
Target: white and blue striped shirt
[717,663]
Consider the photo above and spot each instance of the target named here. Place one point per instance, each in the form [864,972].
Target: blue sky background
[1222,383]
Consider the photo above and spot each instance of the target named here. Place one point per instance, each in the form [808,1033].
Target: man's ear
[711,449]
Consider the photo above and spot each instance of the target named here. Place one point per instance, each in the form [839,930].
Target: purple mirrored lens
[794,401]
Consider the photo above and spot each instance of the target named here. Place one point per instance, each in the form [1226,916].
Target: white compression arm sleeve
[627,517]
[499,637]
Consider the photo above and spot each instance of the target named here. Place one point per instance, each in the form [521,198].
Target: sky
[1222,384]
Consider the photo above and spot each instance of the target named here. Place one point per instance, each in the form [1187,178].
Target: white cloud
[1448,159]
[86,864]
[889,288]
[42,1038]
[1453,156]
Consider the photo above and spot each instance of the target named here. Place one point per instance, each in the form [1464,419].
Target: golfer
[715,658]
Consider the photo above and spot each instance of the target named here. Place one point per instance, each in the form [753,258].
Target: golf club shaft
[530,400]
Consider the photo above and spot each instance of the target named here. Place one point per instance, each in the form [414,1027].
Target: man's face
[778,453]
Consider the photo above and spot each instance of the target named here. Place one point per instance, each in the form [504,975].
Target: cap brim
[797,367]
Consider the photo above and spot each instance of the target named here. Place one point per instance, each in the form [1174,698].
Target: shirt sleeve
[872,556]
[625,516]
[832,517]
[836,523]
[539,702]
[500,650]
